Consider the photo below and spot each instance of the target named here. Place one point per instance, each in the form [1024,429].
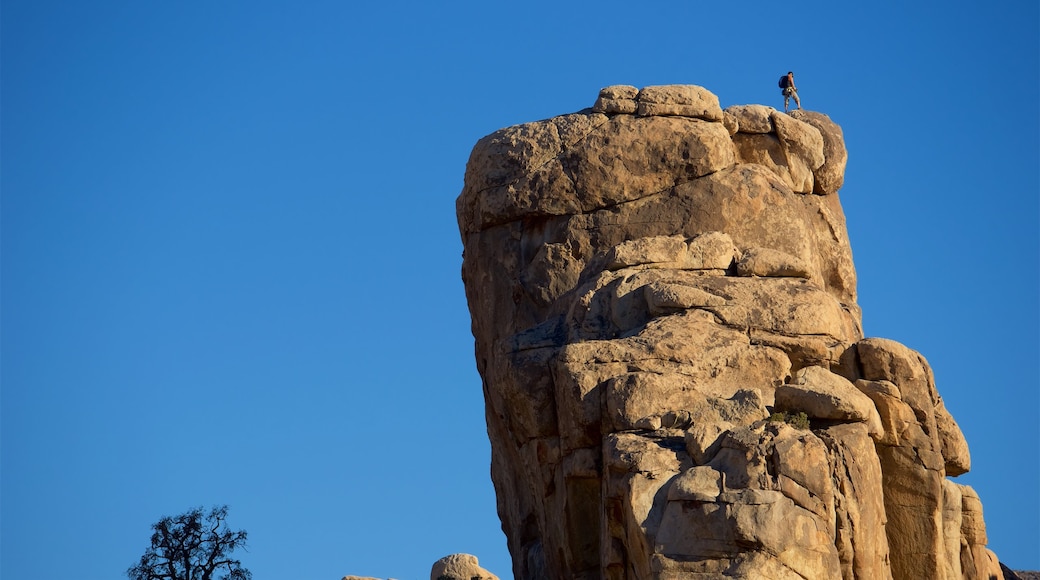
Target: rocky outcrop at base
[1010,574]
[676,382]
[459,567]
[450,567]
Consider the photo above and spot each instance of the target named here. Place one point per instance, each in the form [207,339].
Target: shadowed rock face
[658,288]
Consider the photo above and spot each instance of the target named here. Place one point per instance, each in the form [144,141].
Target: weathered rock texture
[657,287]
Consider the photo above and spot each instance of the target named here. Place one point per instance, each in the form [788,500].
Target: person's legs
[797,103]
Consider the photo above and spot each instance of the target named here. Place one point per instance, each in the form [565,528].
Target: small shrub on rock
[797,420]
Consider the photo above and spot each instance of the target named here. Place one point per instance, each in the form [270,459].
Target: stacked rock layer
[677,386]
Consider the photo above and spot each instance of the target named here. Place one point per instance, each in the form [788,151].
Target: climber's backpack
[783,82]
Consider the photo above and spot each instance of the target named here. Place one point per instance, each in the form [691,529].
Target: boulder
[617,99]
[771,263]
[753,118]
[459,567]
[680,100]
[829,177]
[821,394]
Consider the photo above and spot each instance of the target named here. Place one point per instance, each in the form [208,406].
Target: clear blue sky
[230,260]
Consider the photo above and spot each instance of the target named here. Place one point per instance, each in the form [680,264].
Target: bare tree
[192,546]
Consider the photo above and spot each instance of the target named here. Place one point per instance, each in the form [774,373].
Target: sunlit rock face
[677,385]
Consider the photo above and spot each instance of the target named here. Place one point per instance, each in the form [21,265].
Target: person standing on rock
[789,90]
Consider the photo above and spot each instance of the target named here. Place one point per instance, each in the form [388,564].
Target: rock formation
[450,567]
[459,567]
[677,386]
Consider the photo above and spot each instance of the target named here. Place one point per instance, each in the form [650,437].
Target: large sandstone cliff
[677,385]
